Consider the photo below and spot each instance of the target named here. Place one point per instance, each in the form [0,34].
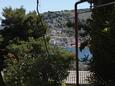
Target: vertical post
[1,80]
[76,42]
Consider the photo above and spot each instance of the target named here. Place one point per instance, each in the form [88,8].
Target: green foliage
[102,44]
[23,36]
[63,84]
[69,24]
[20,25]
[69,30]
[34,67]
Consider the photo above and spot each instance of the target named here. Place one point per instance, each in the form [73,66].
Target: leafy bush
[35,68]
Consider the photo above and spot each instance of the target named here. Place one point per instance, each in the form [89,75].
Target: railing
[71,79]
[83,77]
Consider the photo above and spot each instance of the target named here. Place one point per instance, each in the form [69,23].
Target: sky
[44,6]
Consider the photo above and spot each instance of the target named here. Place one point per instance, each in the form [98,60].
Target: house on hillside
[59,41]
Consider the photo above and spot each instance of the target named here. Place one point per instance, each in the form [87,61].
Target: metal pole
[76,41]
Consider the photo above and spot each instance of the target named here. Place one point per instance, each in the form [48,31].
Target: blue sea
[85,51]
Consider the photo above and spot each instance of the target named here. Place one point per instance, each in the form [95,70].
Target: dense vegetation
[102,44]
[23,36]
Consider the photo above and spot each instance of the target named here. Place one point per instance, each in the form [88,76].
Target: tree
[18,25]
[102,44]
[35,68]
[23,35]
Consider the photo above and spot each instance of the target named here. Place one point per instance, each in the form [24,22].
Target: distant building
[59,41]
[53,33]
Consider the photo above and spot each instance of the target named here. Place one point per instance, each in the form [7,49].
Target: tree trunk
[1,80]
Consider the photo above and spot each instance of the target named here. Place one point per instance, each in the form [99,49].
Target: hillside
[59,25]
[60,30]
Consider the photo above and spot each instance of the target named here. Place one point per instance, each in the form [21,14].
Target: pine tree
[23,35]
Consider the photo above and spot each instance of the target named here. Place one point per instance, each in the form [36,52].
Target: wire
[99,6]
[103,5]
[37,8]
